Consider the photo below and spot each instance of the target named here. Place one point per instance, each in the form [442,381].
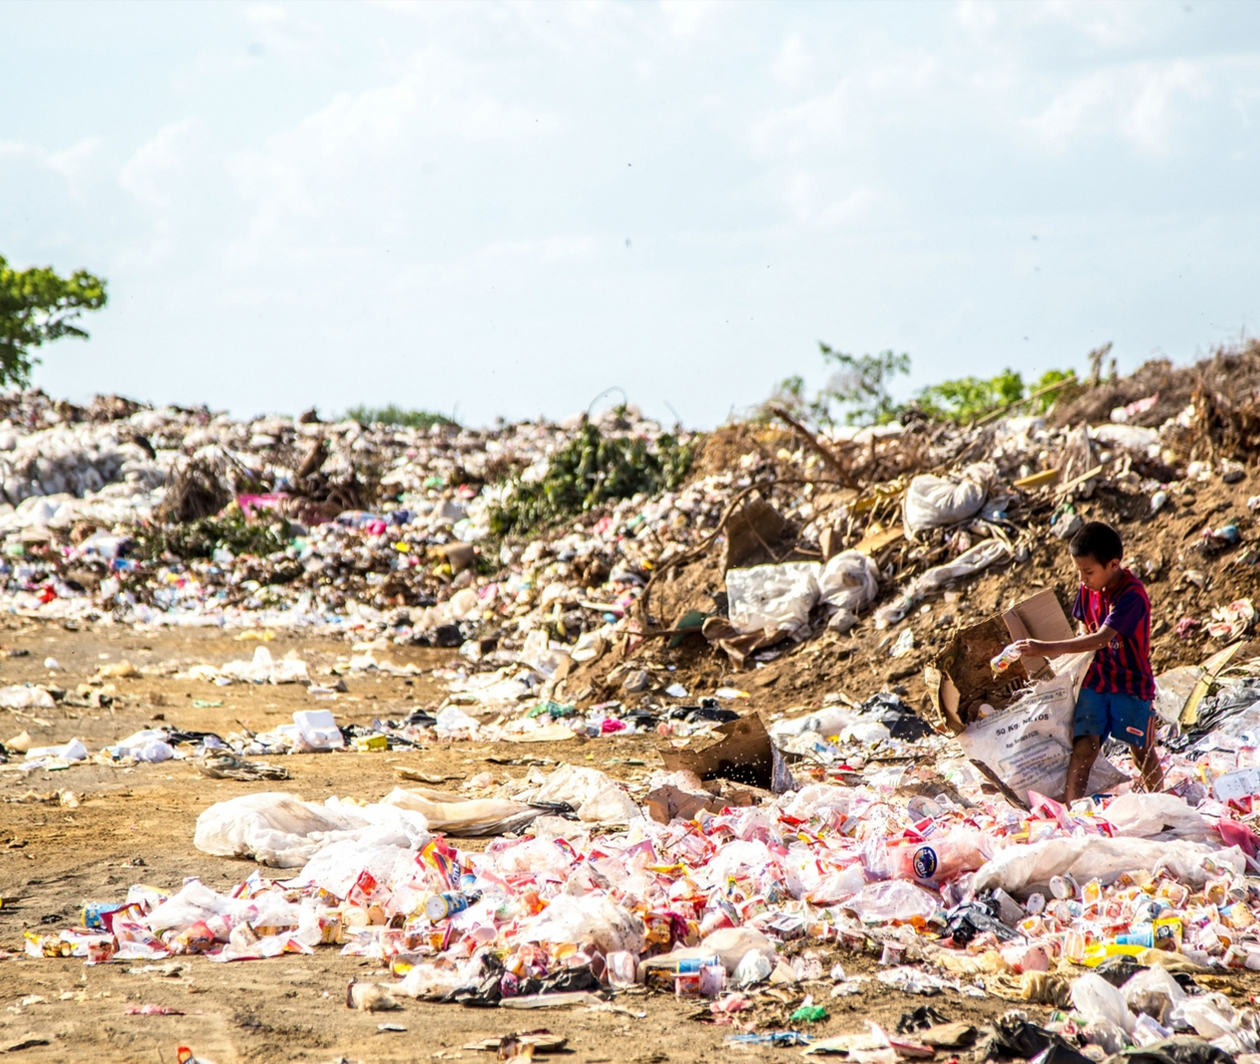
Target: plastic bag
[895,899]
[1209,1015]
[1100,1002]
[148,744]
[970,562]
[192,902]
[772,598]
[849,581]
[590,918]
[282,830]
[594,796]
[19,696]
[1153,991]
[732,944]
[932,501]
[1151,815]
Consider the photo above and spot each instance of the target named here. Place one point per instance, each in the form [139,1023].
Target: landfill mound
[562,715]
[118,512]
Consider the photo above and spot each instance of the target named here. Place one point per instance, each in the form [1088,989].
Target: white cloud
[316,167]
[1144,103]
[793,62]
[76,164]
[683,18]
[266,14]
[154,172]
[1153,113]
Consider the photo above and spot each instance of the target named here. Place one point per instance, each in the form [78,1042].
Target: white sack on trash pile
[772,598]
[779,598]
[1022,869]
[336,867]
[1163,816]
[281,830]
[932,501]
[848,581]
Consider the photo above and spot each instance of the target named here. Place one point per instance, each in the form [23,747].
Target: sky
[506,209]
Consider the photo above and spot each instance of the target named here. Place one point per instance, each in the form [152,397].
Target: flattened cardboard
[744,754]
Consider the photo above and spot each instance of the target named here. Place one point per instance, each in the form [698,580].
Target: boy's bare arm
[1053,648]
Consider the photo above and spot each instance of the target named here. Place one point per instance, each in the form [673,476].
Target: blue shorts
[1125,717]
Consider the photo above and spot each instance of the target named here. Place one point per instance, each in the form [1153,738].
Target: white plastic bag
[894,899]
[732,944]
[282,830]
[1156,815]
[1153,991]
[1100,1002]
[596,797]
[932,501]
[772,598]
[848,581]
[1209,1015]
[1023,868]
[970,562]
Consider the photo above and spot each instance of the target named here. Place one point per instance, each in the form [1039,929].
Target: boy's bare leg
[1147,761]
[1084,753]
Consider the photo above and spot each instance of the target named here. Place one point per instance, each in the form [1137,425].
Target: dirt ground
[136,825]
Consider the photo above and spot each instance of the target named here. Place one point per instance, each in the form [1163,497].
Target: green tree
[858,385]
[36,307]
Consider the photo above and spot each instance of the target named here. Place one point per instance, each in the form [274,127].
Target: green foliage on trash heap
[397,415]
[858,392]
[967,399]
[36,307]
[262,535]
[589,470]
[858,387]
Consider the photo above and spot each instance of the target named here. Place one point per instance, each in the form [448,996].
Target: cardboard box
[959,680]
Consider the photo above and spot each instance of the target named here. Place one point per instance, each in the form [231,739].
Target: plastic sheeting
[281,830]
[1021,869]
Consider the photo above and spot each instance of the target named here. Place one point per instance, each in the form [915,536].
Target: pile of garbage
[722,877]
[121,513]
[760,859]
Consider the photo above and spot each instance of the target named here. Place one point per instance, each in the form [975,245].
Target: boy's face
[1094,574]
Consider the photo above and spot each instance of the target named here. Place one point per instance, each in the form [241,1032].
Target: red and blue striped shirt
[1123,666]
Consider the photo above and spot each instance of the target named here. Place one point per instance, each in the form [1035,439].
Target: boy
[1116,695]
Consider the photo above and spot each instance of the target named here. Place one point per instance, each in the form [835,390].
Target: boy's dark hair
[1097,540]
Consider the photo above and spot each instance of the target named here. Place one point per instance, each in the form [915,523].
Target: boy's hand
[1033,648]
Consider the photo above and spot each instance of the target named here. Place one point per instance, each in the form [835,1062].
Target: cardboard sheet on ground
[744,754]
[1026,746]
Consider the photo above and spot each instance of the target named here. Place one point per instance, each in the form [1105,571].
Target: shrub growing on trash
[588,470]
[397,415]
[967,399]
[263,535]
[858,389]
[36,307]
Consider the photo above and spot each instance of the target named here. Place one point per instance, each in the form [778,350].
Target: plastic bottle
[938,859]
[1003,661]
[440,906]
